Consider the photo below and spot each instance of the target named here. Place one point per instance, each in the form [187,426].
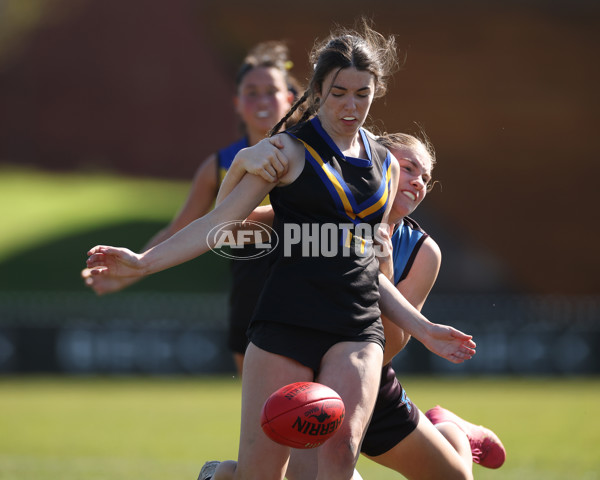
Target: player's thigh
[425,455]
[353,370]
[264,373]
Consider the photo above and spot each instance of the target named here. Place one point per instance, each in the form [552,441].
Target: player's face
[346,97]
[263,99]
[415,176]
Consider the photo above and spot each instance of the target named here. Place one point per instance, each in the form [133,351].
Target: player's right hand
[103,284]
[104,260]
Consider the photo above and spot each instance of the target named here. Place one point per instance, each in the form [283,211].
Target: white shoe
[208,470]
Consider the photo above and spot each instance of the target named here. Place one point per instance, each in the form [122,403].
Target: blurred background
[108,107]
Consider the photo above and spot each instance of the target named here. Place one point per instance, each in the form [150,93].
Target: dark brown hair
[363,48]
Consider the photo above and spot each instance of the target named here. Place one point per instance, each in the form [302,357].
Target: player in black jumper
[350,69]
[398,437]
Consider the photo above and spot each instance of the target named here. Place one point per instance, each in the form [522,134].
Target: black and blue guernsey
[324,276]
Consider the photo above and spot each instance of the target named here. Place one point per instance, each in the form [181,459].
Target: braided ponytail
[290,113]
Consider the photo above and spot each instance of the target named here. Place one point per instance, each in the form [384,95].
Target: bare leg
[356,382]
[353,370]
[426,455]
[259,457]
[457,438]
[225,471]
[303,466]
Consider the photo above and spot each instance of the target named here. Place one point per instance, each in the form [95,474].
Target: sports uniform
[337,282]
[247,276]
[394,415]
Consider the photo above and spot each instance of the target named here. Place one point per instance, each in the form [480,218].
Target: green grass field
[38,206]
[50,220]
[72,428]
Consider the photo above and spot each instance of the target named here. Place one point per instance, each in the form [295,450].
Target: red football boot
[486,447]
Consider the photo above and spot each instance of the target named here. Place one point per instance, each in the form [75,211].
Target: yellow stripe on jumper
[333,180]
[382,201]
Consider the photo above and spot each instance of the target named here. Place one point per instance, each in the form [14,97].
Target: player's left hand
[266,159]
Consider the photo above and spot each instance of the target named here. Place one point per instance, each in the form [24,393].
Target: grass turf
[50,220]
[156,428]
[38,206]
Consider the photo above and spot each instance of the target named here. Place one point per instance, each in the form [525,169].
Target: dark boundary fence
[152,333]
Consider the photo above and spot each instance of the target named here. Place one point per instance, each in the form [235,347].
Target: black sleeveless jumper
[323,284]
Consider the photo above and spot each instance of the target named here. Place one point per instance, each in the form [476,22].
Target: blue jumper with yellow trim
[247,276]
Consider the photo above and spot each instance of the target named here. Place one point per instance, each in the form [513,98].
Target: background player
[265,91]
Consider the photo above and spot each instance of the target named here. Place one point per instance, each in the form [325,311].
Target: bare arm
[263,214]
[415,288]
[442,340]
[186,244]
[194,240]
[445,341]
[383,241]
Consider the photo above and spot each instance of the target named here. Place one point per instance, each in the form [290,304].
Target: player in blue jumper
[265,91]
[398,436]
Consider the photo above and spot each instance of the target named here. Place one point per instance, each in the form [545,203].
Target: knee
[340,455]
[462,473]
[464,476]
[301,470]
[225,470]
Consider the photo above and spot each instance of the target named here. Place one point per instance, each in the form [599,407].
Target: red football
[302,414]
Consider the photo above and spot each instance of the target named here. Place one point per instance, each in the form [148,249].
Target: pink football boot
[486,447]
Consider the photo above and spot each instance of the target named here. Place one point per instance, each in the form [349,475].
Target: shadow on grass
[57,264]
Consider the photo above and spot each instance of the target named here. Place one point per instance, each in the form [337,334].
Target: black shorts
[305,345]
[237,341]
[394,416]
[248,278]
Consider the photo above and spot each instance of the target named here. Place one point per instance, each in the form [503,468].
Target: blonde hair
[395,140]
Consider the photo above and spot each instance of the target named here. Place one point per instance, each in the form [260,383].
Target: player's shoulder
[207,168]
[291,144]
[429,248]
[430,252]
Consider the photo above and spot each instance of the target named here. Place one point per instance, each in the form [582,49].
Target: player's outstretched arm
[186,244]
[447,342]
[199,201]
[415,288]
